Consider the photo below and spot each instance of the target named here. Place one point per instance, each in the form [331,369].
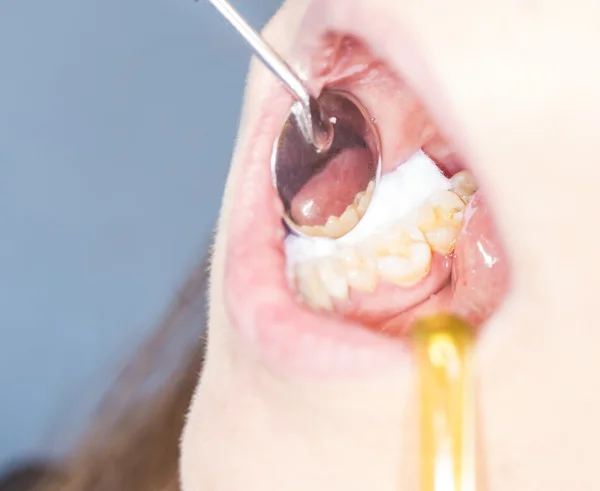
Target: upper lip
[257,296]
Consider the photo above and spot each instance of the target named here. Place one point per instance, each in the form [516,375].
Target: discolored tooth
[332,276]
[365,199]
[463,183]
[394,241]
[358,198]
[440,220]
[312,230]
[311,286]
[448,207]
[407,269]
[360,269]
[443,240]
[444,209]
[331,229]
[349,219]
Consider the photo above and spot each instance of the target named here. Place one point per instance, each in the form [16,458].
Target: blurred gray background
[117,121]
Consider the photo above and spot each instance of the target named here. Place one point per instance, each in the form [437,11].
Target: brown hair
[133,441]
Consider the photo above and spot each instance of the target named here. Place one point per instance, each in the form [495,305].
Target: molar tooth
[443,239]
[440,220]
[332,276]
[464,184]
[311,286]
[446,206]
[407,269]
[360,269]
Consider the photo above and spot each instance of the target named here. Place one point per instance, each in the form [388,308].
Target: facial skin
[516,86]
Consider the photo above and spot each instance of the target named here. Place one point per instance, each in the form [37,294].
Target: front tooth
[406,270]
[464,184]
[333,279]
[311,286]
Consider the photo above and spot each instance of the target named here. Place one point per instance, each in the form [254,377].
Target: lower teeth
[415,212]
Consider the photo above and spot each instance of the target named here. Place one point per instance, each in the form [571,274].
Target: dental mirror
[326,161]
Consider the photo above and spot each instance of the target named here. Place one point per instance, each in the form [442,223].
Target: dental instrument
[443,347]
[331,136]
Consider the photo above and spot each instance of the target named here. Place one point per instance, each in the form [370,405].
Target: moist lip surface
[259,299]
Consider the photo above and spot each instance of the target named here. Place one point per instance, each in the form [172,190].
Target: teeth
[311,286]
[332,276]
[464,184]
[428,212]
[440,220]
[336,227]
[400,255]
[360,269]
[406,270]
[362,202]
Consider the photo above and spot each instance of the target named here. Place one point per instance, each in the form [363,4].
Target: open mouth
[426,243]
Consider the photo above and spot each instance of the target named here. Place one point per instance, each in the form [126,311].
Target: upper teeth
[413,213]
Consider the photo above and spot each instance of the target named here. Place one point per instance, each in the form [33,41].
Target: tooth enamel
[440,219]
[412,215]
[362,202]
[409,269]
[349,218]
[360,269]
[312,287]
[332,276]
[464,184]
[442,240]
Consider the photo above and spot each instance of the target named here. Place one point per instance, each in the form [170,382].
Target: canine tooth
[311,286]
[332,276]
[464,184]
[406,270]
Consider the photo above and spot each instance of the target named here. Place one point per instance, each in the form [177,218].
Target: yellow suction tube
[443,347]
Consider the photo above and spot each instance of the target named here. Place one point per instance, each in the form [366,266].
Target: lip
[257,296]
